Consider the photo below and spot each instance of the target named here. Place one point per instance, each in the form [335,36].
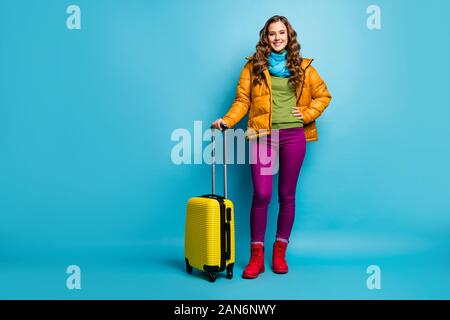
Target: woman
[284,95]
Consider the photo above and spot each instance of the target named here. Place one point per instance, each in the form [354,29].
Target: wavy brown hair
[263,49]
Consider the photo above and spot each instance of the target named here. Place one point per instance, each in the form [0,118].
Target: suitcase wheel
[230,272]
[212,276]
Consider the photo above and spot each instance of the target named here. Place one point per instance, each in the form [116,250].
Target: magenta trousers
[280,153]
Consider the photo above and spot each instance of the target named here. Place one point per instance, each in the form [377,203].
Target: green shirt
[284,101]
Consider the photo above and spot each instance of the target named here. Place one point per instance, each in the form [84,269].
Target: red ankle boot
[256,264]
[279,264]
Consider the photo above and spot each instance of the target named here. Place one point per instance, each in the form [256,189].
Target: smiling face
[278,36]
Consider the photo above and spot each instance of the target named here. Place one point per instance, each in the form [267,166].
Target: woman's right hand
[219,123]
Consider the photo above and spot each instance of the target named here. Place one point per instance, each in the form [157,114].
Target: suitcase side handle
[224,127]
[228,244]
[228,233]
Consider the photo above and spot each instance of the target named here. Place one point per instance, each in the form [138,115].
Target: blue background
[86,118]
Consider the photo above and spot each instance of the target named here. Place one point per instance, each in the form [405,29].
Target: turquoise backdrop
[87,177]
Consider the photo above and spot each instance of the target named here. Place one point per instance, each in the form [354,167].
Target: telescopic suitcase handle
[224,127]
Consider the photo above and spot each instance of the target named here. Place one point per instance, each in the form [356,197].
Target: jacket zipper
[303,82]
[301,91]
[270,111]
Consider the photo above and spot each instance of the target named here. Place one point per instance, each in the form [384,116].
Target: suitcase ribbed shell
[203,232]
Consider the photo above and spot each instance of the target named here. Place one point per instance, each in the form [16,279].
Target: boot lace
[256,255]
[279,251]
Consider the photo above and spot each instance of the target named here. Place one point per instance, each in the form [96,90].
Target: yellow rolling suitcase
[209,230]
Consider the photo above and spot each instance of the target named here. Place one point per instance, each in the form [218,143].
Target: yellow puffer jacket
[312,99]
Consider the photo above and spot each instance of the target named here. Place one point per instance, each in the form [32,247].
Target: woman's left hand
[296,113]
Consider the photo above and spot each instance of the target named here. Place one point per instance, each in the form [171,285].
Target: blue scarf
[277,64]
